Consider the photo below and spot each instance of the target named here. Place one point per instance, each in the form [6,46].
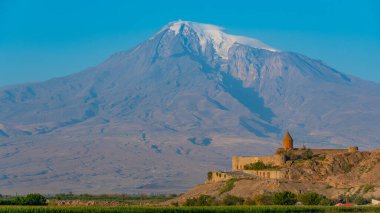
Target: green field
[28,209]
[122,199]
[115,199]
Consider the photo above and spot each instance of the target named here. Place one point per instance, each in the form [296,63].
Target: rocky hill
[331,175]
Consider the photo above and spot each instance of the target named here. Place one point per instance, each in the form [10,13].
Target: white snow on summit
[214,35]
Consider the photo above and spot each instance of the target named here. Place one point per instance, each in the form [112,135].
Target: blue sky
[40,40]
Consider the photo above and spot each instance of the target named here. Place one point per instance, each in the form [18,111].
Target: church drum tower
[287,142]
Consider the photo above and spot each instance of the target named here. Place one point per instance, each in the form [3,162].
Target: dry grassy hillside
[331,175]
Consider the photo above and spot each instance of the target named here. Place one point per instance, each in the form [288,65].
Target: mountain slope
[156,117]
[329,176]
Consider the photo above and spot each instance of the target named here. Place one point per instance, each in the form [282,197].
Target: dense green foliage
[304,155]
[279,198]
[313,198]
[327,202]
[123,199]
[310,198]
[355,198]
[113,197]
[231,200]
[263,199]
[259,166]
[224,209]
[249,202]
[127,199]
[30,200]
[284,198]
[203,200]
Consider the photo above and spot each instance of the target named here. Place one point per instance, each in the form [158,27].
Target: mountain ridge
[156,117]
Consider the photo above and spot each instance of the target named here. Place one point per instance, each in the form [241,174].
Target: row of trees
[278,198]
[30,200]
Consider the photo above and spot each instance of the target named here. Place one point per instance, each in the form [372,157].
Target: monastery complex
[272,167]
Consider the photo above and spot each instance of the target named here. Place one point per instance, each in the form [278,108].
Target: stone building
[276,163]
[280,157]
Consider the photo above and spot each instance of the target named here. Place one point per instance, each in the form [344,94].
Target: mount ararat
[157,117]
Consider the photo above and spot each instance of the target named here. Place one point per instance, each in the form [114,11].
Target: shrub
[249,202]
[368,188]
[228,186]
[259,165]
[291,156]
[231,200]
[310,198]
[359,200]
[255,166]
[30,199]
[321,158]
[306,155]
[326,202]
[355,198]
[284,198]
[263,199]
[176,204]
[33,200]
[346,167]
[8,202]
[203,200]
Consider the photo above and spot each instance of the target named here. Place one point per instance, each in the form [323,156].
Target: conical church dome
[287,142]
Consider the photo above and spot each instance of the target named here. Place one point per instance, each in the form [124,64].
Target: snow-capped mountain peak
[214,35]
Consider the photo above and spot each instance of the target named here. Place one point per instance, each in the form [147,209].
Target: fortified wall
[276,170]
[270,174]
[218,176]
[238,162]
[279,158]
[321,151]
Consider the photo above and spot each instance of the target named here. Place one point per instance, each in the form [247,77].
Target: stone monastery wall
[218,176]
[238,162]
[271,174]
[278,159]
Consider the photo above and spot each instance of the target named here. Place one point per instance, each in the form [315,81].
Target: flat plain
[242,209]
